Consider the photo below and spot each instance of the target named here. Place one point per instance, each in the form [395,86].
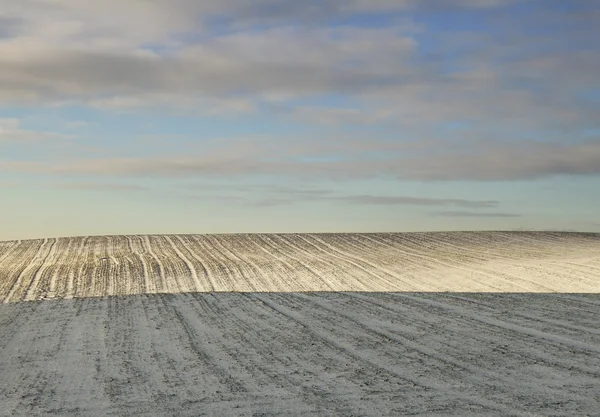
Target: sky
[243,116]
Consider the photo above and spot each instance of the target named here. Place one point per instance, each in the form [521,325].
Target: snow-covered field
[481,323]
[302,354]
[407,262]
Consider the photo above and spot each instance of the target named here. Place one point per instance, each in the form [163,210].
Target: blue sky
[176,116]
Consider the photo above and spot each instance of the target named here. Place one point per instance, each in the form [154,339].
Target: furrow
[332,272]
[373,361]
[515,283]
[190,266]
[239,278]
[32,265]
[161,285]
[557,339]
[48,262]
[145,275]
[373,285]
[450,361]
[320,282]
[222,276]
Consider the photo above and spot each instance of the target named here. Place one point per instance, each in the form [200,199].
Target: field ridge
[97,266]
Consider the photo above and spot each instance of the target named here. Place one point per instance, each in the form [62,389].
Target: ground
[469,323]
[302,354]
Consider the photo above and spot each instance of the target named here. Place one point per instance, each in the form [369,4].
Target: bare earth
[407,262]
[329,324]
[302,354]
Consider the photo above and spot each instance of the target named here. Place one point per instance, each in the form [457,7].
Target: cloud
[100,187]
[267,55]
[121,57]
[218,106]
[435,160]
[483,4]
[112,23]
[82,186]
[337,116]
[76,124]
[254,194]
[277,61]
[416,201]
[10,27]
[509,161]
[264,189]
[277,195]
[297,197]
[270,202]
[473,214]
[24,167]
[11,131]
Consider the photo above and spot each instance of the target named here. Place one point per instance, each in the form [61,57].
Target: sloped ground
[301,324]
[302,354]
[407,262]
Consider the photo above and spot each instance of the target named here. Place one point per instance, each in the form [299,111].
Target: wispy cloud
[277,195]
[166,53]
[10,26]
[215,106]
[11,131]
[338,116]
[272,61]
[315,92]
[438,160]
[269,189]
[417,201]
[474,214]
[76,124]
[100,187]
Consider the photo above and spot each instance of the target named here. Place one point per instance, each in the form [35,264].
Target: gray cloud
[100,187]
[473,214]
[130,55]
[213,197]
[270,202]
[436,160]
[416,201]
[336,116]
[10,26]
[278,61]
[11,131]
[263,195]
[265,189]
[510,161]
[112,55]
[152,20]
[276,195]
[76,124]
[297,197]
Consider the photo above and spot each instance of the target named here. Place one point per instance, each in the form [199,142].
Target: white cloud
[11,130]
[417,201]
[209,106]
[123,56]
[99,187]
[439,160]
[136,54]
[336,116]
[286,61]
[76,124]
[473,214]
